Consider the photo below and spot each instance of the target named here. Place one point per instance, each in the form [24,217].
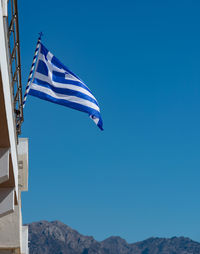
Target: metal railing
[15,63]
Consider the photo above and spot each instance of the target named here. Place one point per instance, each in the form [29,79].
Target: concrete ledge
[22,149]
[10,226]
[24,247]
[4,164]
[5,13]
[7,196]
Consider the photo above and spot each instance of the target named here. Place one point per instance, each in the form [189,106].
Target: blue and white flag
[54,82]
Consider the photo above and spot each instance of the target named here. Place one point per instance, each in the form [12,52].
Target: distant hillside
[57,238]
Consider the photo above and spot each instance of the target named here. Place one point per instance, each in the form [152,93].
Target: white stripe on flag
[61,85]
[64,97]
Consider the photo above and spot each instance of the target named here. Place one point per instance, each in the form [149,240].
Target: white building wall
[4,68]
[13,162]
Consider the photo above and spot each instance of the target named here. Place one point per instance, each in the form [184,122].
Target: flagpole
[32,69]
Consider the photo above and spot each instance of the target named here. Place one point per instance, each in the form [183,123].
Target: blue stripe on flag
[42,68]
[60,79]
[64,90]
[43,50]
[66,103]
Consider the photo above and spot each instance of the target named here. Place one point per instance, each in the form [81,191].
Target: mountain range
[57,238]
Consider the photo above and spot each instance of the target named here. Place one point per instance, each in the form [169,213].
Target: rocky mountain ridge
[57,238]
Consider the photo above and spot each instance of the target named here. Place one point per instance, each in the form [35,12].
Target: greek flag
[54,82]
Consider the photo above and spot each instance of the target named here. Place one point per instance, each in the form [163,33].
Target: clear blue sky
[140,177]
